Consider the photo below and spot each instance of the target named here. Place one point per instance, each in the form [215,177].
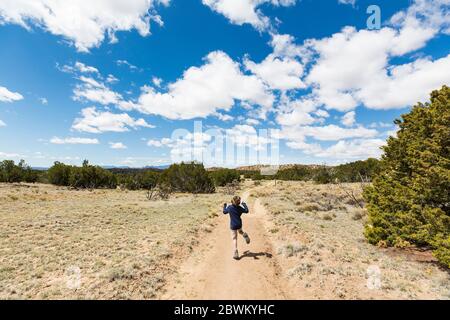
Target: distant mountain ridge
[256,167]
[110,167]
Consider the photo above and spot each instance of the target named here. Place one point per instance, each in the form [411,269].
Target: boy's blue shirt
[235,213]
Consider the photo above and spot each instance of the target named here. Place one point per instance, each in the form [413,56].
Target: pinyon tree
[409,200]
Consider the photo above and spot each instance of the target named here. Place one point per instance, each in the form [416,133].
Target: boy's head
[236,200]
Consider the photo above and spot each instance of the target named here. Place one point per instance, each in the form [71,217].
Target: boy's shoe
[246,237]
[236,255]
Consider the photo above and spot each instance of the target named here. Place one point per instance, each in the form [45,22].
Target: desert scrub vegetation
[21,172]
[323,252]
[85,177]
[188,177]
[183,177]
[349,172]
[121,245]
[222,177]
[409,201]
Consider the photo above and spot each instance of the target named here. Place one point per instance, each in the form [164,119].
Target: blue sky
[112,81]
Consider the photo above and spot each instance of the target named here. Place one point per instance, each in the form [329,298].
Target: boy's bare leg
[245,235]
[234,234]
[235,253]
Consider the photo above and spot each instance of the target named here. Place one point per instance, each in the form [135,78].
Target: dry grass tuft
[120,245]
[322,250]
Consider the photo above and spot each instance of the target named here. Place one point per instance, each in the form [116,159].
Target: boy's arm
[225,211]
[245,208]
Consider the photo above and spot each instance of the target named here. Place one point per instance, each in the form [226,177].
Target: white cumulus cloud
[74,140]
[117,145]
[94,121]
[83,23]
[348,119]
[329,132]
[10,155]
[352,2]
[350,150]
[353,67]
[84,68]
[202,91]
[159,143]
[9,96]
[278,73]
[91,90]
[246,11]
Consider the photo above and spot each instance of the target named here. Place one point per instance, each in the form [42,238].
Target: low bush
[350,172]
[86,176]
[222,177]
[187,177]
[10,172]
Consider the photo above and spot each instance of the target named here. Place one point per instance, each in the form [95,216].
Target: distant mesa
[265,167]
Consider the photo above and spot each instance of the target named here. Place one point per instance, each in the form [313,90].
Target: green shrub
[146,180]
[184,177]
[128,181]
[10,172]
[296,173]
[29,175]
[349,172]
[149,180]
[187,177]
[86,176]
[59,174]
[323,175]
[221,177]
[248,174]
[355,171]
[410,199]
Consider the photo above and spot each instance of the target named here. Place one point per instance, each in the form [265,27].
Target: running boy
[235,210]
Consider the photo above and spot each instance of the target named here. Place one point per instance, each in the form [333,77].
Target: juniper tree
[409,200]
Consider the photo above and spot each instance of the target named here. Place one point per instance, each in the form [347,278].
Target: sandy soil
[307,243]
[57,243]
[212,273]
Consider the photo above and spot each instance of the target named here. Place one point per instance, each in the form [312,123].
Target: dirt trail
[211,272]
